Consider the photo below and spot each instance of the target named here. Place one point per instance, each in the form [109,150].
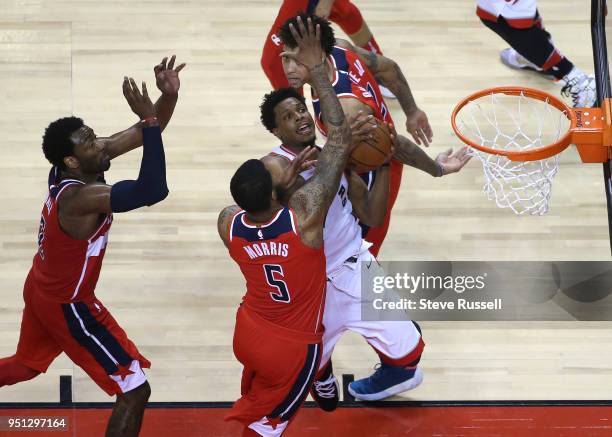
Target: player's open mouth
[294,82]
[305,129]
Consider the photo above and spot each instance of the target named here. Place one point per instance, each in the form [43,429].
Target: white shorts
[343,301]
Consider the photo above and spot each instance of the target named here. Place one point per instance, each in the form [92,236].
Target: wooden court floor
[168,279]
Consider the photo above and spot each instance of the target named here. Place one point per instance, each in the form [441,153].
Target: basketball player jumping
[352,70]
[520,24]
[342,12]
[280,253]
[62,312]
[398,344]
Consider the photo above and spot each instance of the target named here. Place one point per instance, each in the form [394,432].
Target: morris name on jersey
[269,248]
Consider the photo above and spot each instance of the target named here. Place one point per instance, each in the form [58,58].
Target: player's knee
[29,373]
[12,371]
[136,397]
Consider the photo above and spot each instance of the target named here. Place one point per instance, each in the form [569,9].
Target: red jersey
[66,269]
[285,279]
[352,79]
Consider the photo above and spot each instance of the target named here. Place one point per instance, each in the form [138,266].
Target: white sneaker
[386,92]
[511,58]
[580,87]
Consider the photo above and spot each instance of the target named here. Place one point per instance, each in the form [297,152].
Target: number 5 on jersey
[274,275]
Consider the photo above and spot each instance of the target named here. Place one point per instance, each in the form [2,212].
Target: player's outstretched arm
[445,163]
[391,76]
[323,8]
[127,195]
[168,82]
[224,221]
[312,201]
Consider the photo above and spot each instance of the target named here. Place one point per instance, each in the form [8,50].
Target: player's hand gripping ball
[371,152]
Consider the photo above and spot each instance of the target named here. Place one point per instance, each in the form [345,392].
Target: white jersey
[342,233]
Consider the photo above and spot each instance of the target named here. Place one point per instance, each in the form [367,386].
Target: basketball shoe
[580,87]
[325,390]
[386,381]
[511,58]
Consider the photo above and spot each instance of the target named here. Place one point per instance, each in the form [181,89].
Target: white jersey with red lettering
[342,233]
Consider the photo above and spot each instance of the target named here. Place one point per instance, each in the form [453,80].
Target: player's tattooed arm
[410,154]
[224,221]
[445,163]
[370,207]
[312,201]
[390,74]
[168,82]
[387,71]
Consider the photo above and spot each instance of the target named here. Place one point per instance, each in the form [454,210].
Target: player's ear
[71,162]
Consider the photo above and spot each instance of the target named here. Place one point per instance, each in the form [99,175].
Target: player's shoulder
[65,188]
[343,44]
[276,158]
[226,215]
[71,189]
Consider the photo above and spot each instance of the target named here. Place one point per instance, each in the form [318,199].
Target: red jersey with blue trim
[352,79]
[66,269]
[285,279]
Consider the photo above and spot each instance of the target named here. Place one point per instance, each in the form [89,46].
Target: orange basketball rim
[590,129]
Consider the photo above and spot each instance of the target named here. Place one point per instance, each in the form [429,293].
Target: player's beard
[99,167]
[310,142]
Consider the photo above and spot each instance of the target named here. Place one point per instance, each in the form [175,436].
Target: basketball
[372,152]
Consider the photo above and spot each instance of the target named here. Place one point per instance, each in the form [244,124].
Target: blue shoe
[384,382]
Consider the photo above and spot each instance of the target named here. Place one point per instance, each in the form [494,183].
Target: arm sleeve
[150,187]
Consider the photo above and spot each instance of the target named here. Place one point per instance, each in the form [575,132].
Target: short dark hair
[56,140]
[272,99]
[328,40]
[251,186]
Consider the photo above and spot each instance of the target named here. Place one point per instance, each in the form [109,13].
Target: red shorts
[86,332]
[279,367]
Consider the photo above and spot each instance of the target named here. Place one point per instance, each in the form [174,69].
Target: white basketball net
[517,123]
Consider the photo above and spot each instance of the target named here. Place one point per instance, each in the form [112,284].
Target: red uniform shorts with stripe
[279,368]
[86,332]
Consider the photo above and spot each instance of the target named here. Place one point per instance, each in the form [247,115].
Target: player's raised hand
[140,103]
[301,163]
[308,39]
[418,126]
[167,77]
[453,162]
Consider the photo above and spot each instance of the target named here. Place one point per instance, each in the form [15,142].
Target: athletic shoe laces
[326,389]
[578,88]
